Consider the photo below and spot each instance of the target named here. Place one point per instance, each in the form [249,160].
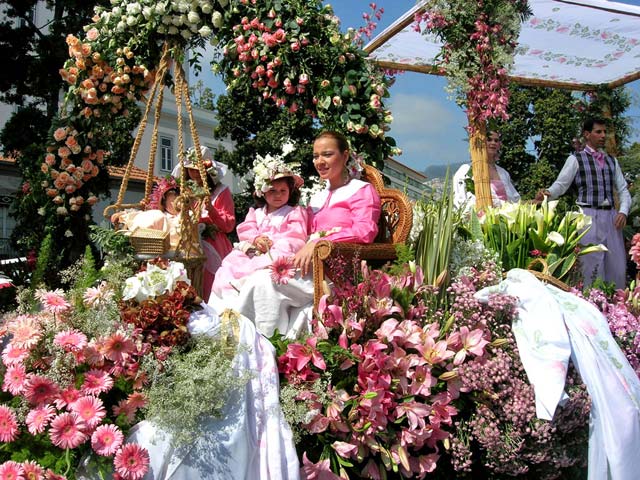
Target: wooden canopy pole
[610,146]
[480,165]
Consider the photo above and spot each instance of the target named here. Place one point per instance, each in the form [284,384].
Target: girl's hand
[262,243]
[304,258]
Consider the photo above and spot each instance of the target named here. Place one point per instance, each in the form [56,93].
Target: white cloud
[430,131]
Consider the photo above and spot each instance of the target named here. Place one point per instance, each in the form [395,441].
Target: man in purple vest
[597,175]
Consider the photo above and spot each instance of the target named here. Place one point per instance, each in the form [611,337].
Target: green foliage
[108,240]
[193,386]
[45,255]
[201,96]
[434,242]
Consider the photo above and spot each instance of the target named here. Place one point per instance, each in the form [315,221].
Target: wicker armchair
[393,228]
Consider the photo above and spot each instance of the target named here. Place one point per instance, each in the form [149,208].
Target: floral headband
[215,170]
[159,190]
[268,168]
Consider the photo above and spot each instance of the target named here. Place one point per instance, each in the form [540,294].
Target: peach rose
[60,134]
[93,34]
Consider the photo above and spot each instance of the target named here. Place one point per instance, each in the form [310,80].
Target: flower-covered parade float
[453,362]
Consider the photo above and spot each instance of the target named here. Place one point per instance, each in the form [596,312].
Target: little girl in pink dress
[276,227]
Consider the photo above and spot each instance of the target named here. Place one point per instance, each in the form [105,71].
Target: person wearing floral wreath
[217,216]
[597,175]
[161,213]
[346,210]
[502,189]
[275,228]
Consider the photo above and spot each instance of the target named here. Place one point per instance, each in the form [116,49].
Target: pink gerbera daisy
[131,461]
[67,397]
[282,270]
[137,400]
[8,425]
[51,475]
[39,389]
[66,431]
[53,301]
[14,379]
[70,340]
[38,418]
[26,331]
[32,471]
[12,355]
[96,296]
[125,408]
[90,409]
[106,440]
[11,471]
[117,347]
[96,382]
[92,355]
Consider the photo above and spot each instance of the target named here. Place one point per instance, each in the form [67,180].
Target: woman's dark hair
[341,140]
[294,194]
[163,200]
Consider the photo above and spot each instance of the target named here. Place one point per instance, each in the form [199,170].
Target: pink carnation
[106,440]
[90,409]
[38,418]
[8,425]
[131,461]
[67,431]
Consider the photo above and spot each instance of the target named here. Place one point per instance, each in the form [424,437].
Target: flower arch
[291,54]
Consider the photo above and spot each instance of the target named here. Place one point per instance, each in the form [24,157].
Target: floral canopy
[565,44]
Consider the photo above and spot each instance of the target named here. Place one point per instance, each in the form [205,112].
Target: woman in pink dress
[347,210]
[217,216]
[276,227]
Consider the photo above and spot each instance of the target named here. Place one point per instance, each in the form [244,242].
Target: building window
[166,154]
[7,224]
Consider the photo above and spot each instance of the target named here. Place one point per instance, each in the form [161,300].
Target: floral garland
[267,168]
[479,39]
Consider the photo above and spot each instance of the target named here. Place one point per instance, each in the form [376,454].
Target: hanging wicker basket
[148,242]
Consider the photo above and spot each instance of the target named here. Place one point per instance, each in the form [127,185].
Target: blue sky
[428,126]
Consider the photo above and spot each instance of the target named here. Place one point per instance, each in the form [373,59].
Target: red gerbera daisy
[131,461]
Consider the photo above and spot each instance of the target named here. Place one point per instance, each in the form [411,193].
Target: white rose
[178,20]
[131,21]
[133,8]
[206,7]
[147,12]
[186,34]
[61,211]
[193,17]
[68,233]
[217,19]
[41,211]
[205,31]
[173,30]
[166,19]
[161,8]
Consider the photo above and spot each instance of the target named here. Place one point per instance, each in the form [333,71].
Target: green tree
[202,96]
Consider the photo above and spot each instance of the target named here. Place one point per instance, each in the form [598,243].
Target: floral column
[479,38]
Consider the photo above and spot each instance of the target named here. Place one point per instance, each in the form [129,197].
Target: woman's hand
[304,258]
[262,243]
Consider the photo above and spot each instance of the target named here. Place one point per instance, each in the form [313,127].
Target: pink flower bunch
[68,164]
[99,85]
[389,402]
[79,391]
[476,45]
[367,30]
[634,251]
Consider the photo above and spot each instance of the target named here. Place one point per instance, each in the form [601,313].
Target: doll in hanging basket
[217,217]
[161,215]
